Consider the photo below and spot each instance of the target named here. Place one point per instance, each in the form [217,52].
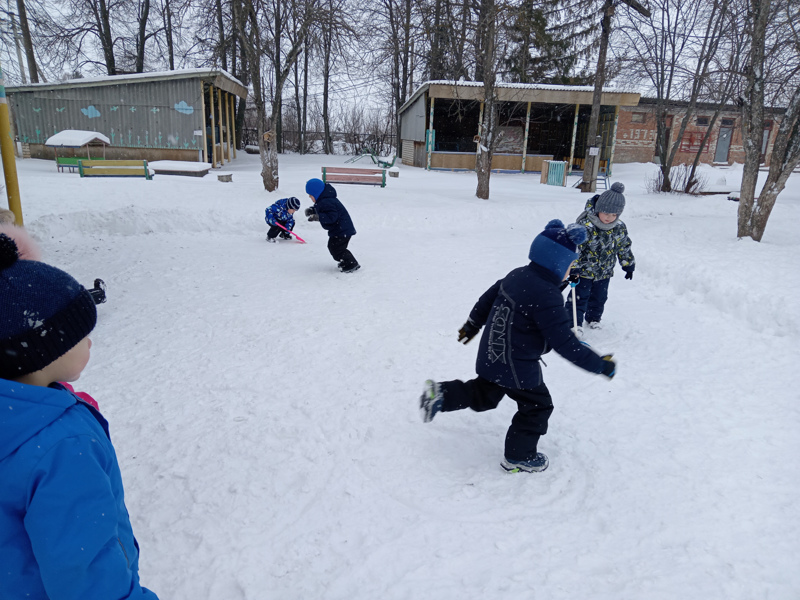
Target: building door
[723,145]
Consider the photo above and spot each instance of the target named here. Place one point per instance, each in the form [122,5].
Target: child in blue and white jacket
[281,213]
[64,528]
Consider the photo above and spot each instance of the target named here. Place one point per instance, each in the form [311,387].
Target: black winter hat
[44,313]
[611,201]
[293,203]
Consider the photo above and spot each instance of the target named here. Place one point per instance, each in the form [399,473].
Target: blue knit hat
[314,187]
[556,247]
[44,313]
[292,203]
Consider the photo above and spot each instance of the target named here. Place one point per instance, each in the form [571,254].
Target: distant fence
[343,143]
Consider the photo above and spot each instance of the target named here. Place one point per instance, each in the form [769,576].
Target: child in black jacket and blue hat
[525,317]
[333,216]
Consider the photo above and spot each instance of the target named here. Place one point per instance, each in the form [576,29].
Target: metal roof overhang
[218,79]
[544,96]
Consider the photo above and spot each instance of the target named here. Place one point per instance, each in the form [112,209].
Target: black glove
[468,331]
[311,210]
[98,292]
[313,217]
[628,272]
[574,277]
[609,366]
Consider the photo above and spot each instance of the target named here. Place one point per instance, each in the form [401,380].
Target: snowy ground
[264,406]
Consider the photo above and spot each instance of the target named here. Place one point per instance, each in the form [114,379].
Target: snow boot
[595,325]
[98,292]
[272,240]
[285,235]
[352,269]
[536,465]
[430,402]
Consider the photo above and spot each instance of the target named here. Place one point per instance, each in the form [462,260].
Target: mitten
[574,277]
[609,366]
[628,272]
[313,217]
[468,331]
[311,210]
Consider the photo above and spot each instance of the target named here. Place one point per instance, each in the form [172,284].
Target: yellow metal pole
[9,160]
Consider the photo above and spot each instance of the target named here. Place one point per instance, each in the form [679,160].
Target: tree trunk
[753,117]
[169,33]
[327,143]
[303,127]
[488,138]
[589,183]
[33,69]
[141,37]
[106,39]
[223,55]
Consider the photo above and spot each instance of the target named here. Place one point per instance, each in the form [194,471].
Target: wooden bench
[70,163]
[114,168]
[352,175]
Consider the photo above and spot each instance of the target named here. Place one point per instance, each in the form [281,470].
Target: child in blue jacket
[333,216]
[525,318]
[64,528]
[282,212]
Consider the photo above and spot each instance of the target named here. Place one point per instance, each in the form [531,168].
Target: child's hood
[27,409]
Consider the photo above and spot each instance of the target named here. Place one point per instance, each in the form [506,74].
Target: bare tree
[754,212]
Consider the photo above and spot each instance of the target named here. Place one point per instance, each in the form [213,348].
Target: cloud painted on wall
[184,108]
[91,112]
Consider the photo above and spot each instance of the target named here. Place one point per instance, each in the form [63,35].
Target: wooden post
[213,126]
[233,122]
[203,121]
[574,133]
[613,141]
[525,143]
[429,140]
[228,124]
[221,123]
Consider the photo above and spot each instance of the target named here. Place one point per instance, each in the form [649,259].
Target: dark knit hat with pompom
[611,201]
[556,247]
[44,313]
[292,203]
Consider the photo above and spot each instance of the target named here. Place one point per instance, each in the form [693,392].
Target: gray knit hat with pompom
[611,201]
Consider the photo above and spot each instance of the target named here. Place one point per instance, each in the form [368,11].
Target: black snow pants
[534,408]
[337,246]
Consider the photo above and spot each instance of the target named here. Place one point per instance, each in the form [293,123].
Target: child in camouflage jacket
[606,243]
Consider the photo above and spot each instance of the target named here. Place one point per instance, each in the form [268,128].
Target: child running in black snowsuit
[333,216]
[607,241]
[281,213]
[525,317]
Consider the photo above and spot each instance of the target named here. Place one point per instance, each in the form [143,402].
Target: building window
[727,122]
[637,117]
[702,121]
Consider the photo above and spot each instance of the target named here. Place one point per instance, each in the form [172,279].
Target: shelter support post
[213,126]
[8,157]
[525,141]
[429,140]
[232,122]
[572,145]
[221,123]
[613,141]
[203,121]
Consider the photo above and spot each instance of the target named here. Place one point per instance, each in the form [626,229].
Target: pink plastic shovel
[299,239]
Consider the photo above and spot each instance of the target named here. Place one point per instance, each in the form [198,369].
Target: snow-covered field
[264,406]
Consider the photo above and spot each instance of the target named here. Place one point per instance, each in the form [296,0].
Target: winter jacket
[525,317]
[279,213]
[64,529]
[603,247]
[333,216]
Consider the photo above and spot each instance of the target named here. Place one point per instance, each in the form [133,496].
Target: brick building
[636,133]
